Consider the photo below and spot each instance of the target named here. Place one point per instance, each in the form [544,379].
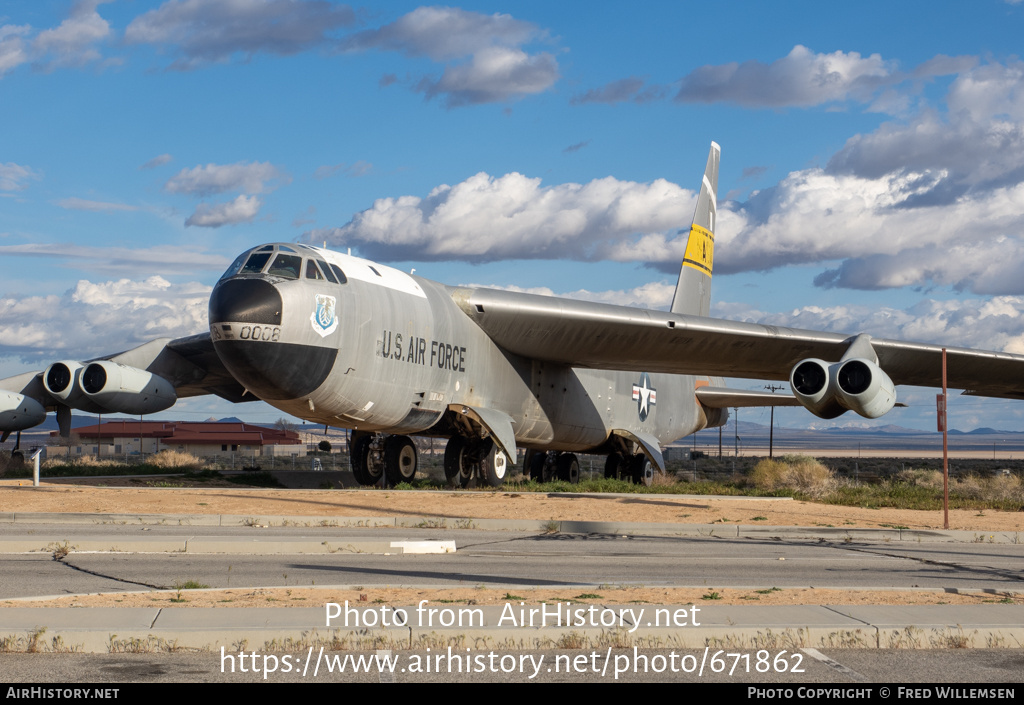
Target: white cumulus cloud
[82,204]
[73,42]
[203,31]
[989,324]
[241,210]
[97,318]
[159,160]
[483,54]
[801,78]
[15,177]
[513,216]
[13,50]
[246,177]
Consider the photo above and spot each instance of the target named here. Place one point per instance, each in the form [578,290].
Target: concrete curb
[727,627]
[731,531]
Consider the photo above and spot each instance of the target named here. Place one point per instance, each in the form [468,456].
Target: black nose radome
[245,301]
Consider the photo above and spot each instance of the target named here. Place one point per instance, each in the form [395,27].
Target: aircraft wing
[604,336]
[727,398]
[190,364]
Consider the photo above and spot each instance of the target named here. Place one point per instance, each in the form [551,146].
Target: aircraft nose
[268,359]
[246,301]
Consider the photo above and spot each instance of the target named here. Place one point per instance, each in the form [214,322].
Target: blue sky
[872,161]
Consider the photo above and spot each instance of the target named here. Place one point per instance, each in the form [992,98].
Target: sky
[872,173]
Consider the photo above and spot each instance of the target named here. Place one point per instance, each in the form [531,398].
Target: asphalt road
[504,558]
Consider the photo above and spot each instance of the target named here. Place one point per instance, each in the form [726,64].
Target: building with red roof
[212,438]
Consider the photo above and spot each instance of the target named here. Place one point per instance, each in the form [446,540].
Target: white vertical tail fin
[693,291]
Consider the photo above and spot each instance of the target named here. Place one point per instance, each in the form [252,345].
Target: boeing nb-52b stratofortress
[345,342]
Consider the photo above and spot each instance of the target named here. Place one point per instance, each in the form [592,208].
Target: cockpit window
[235,266]
[342,279]
[327,271]
[287,266]
[256,263]
[285,248]
[312,271]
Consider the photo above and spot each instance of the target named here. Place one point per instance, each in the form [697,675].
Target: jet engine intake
[862,386]
[809,381]
[828,390]
[126,390]
[63,381]
[18,412]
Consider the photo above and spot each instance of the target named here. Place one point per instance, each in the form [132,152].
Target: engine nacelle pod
[63,381]
[810,382]
[126,390]
[862,386]
[18,412]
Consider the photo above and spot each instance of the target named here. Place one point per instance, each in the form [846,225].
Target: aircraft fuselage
[391,352]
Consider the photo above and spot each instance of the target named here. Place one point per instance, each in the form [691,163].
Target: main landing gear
[466,458]
[636,468]
[547,466]
[374,456]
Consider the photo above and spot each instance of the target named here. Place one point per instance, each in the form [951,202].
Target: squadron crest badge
[325,317]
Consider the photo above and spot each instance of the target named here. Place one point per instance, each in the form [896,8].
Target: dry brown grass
[86,461]
[793,472]
[176,460]
[1000,488]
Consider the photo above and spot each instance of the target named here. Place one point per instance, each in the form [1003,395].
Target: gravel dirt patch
[63,496]
[54,496]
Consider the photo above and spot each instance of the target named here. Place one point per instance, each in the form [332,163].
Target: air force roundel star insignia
[644,395]
[324,318]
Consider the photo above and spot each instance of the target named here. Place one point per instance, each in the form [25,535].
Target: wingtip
[715,146]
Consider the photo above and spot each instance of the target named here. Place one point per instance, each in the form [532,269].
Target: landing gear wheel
[458,468]
[642,470]
[615,466]
[399,459]
[568,468]
[494,465]
[358,456]
[533,464]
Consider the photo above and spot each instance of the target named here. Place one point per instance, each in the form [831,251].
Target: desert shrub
[798,473]
[920,477]
[80,461]
[175,460]
[666,480]
[1001,488]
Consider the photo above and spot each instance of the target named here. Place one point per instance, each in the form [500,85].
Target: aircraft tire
[569,468]
[615,466]
[399,459]
[359,455]
[642,470]
[533,464]
[457,467]
[494,466]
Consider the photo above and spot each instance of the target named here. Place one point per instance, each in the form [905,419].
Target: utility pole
[771,425]
[736,433]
